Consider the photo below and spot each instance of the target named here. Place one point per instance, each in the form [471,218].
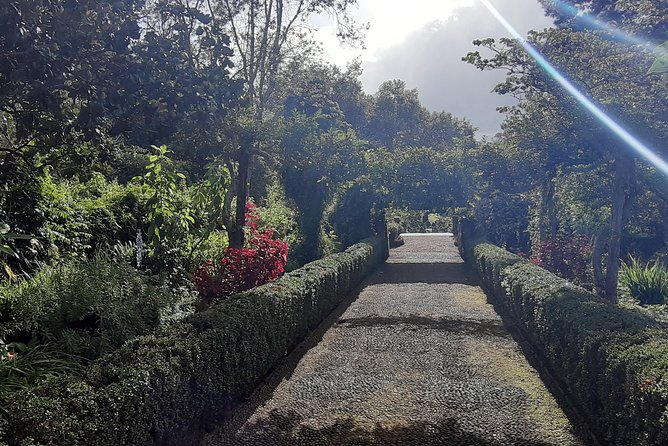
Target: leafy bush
[611,362]
[25,365]
[347,218]
[647,283]
[505,218]
[278,213]
[71,219]
[242,269]
[169,388]
[87,308]
[567,257]
[419,221]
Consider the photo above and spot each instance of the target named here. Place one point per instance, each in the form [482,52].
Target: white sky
[423,41]
[391,23]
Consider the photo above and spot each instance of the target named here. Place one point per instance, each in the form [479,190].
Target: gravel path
[418,358]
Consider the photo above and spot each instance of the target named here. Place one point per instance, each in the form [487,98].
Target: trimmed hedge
[170,388]
[611,362]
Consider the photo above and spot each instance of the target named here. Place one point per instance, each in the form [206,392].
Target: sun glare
[593,108]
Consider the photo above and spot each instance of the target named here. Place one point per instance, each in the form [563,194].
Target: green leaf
[7,250]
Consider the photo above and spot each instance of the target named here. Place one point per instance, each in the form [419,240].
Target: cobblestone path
[418,358]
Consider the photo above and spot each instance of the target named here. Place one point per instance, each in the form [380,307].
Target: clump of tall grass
[24,365]
[647,282]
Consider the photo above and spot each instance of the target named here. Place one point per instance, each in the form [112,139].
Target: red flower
[242,269]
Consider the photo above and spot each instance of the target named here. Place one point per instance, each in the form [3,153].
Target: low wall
[612,363]
[170,388]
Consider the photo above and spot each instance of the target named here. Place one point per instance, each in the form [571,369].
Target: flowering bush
[239,270]
[567,257]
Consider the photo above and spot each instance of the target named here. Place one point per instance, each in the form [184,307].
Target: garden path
[416,357]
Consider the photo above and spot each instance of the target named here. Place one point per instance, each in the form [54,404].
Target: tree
[84,71]
[611,73]
[396,115]
[646,18]
[265,34]
[316,160]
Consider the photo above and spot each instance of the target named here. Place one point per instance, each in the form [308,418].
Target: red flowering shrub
[568,257]
[239,270]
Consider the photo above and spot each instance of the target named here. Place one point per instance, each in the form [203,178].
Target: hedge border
[172,387]
[611,362]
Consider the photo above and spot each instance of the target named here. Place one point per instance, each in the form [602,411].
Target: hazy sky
[423,41]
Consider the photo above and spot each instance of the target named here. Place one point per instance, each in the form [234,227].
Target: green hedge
[611,362]
[169,388]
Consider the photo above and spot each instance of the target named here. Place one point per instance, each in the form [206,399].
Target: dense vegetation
[159,156]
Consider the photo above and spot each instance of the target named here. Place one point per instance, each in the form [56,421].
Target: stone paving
[418,357]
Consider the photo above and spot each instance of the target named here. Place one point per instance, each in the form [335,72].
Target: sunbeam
[593,22]
[587,103]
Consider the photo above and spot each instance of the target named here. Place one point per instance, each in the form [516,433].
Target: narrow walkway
[419,358]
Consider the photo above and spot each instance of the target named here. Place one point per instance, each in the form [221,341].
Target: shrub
[347,218]
[419,221]
[25,365]
[278,213]
[568,257]
[169,388]
[71,218]
[647,283]
[88,307]
[611,362]
[505,218]
[242,269]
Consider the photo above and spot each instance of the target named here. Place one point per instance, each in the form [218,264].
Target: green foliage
[347,218]
[394,231]
[25,365]
[316,162]
[168,219]
[417,178]
[505,218]
[277,213]
[419,221]
[6,249]
[647,283]
[87,308]
[611,360]
[70,218]
[171,387]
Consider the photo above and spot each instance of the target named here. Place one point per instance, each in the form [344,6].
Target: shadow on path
[286,427]
[432,273]
[487,327]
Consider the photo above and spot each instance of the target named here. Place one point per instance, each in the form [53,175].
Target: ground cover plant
[159,157]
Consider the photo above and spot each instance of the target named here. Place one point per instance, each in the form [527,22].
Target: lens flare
[583,100]
[594,23]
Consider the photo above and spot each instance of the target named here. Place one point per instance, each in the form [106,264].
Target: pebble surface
[417,357]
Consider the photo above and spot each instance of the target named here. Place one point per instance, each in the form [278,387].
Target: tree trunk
[236,232]
[623,170]
[547,217]
[600,242]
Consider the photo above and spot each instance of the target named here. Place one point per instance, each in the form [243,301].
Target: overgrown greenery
[134,134]
[611,361]
[648,283]
[168,388]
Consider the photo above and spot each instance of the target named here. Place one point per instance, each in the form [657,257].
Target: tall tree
[646,18]
[265,35]
[611,73]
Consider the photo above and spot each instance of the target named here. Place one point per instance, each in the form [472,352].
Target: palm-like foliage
[646,282]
